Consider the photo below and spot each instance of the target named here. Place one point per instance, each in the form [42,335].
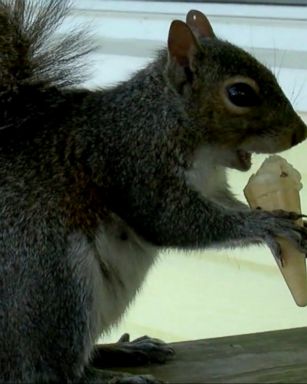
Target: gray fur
[94,183]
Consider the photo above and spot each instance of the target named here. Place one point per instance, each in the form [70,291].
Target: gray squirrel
[94,183]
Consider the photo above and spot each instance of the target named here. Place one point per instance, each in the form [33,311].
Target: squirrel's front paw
[271,225]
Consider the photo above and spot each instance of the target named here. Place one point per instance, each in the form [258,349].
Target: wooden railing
[269,357]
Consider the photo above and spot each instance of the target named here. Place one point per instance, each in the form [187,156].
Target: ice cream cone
[276,186]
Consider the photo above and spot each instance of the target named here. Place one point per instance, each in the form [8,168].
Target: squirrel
[94,183]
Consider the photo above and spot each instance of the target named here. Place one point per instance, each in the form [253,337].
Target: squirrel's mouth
[243,160]
[239,159]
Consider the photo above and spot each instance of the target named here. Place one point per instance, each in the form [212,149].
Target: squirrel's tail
[32,58]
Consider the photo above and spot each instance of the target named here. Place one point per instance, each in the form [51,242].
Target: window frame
[145,25]
[213,9]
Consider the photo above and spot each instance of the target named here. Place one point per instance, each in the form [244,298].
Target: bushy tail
[32,58]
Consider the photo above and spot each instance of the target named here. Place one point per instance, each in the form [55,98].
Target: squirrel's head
[232,100]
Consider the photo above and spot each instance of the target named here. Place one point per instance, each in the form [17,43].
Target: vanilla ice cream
[276,185]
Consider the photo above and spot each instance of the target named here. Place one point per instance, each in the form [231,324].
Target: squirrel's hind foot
[124,353]
[97,376]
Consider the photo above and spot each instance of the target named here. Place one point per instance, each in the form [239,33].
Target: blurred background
[210,293]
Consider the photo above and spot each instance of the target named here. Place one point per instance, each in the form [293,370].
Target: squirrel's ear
[199,24]
[182,44]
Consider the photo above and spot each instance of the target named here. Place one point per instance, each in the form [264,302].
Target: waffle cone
[286,197]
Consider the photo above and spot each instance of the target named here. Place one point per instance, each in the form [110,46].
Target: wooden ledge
[269,357]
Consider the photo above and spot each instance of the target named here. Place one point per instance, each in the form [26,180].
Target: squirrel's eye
[242,95]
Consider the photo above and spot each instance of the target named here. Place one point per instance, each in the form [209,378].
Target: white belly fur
[205,176]
[113,270]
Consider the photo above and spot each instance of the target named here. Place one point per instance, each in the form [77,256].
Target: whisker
[282,58]
[274,60]
[298,94]
[293,94]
